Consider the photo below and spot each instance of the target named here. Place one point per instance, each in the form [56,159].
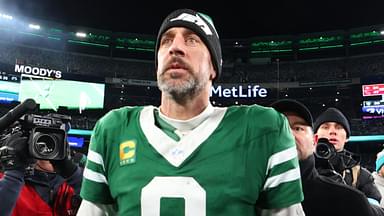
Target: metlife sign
[250,91]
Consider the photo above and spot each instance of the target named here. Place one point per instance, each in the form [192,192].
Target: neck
[186,110]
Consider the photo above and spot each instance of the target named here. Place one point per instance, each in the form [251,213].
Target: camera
[47,134]
[324,149]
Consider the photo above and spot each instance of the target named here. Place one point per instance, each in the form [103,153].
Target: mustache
[178,61]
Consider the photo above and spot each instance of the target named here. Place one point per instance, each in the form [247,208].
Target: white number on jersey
[173,187]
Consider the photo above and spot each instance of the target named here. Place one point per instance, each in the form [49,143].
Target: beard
[181,89]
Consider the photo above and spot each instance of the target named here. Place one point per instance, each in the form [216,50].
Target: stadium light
[81,34]
[34,26]
[382,32]
[6,16]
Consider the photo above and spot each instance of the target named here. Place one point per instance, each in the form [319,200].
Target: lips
[333,141]
[176,63]
[176,66]
[175,69]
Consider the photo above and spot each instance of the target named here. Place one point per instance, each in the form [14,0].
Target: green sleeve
[282,187]
[95,186]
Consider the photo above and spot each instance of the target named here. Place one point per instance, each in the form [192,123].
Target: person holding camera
[318,189]
[378,174]
[30,186]
[342,165]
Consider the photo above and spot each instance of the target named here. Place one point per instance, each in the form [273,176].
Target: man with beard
[187,157]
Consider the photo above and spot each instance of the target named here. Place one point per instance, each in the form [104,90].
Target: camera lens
[324,149]
[45,144]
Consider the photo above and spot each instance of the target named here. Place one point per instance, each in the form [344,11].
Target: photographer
[343,165]
[36,187]
[378,174]
[322,195]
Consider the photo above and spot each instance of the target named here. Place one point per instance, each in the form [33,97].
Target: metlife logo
[239,91]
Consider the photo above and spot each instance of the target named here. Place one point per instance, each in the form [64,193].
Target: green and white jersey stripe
[287,176]
[238,158]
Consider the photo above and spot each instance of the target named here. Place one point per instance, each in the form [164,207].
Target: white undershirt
[183,127]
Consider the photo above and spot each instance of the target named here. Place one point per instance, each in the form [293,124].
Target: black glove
[79,159]
[65,167]
[14,152]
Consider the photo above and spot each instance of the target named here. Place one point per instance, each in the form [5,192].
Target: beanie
[379,160]
[200,24]
[290,105]
[332,115]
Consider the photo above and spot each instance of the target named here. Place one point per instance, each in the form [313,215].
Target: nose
[177,46]
[332,130]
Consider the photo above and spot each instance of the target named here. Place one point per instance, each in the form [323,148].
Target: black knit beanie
[199,23]
[332,115]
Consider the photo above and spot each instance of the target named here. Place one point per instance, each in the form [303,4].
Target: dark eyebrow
[167,34]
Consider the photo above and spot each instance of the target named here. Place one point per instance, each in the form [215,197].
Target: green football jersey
[238,158]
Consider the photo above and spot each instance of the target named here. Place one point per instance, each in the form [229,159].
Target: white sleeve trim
[287,176]
[96,158]
[281,157]
[94,209]
[94,176]
[293,210]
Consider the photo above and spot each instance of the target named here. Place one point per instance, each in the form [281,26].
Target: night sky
[233,19]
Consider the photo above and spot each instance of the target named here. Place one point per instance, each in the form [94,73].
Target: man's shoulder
[116,118]
[121,113]
[255,110]
[258,119]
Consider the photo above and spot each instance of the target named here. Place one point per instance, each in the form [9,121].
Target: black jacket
[324,196]
[340,168]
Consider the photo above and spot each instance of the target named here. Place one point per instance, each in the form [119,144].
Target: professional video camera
[324,149]
[46,134]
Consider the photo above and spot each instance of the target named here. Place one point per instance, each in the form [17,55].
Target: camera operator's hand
[65,167]
[14,152]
